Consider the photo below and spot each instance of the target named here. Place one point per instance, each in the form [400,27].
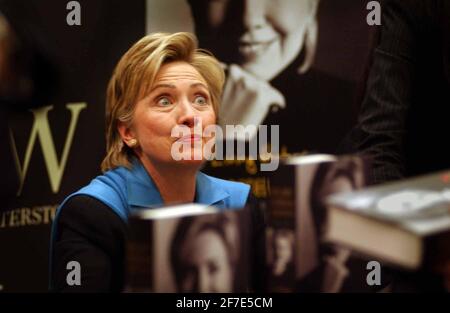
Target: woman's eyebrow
[162,86]
[174,87]
[199,84]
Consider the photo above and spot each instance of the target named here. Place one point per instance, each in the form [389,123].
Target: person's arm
[382,122]
[90,233]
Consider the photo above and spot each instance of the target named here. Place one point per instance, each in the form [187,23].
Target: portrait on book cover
[329,265]
[204,253]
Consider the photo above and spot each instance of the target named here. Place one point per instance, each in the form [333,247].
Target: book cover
[298,216]
[188,248]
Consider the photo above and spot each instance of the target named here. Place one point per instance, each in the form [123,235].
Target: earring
[132,143]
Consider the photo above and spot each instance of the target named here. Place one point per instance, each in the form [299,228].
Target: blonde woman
[161,83]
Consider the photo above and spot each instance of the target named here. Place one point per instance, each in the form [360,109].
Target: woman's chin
[195,157]
[261,71]
[191,162]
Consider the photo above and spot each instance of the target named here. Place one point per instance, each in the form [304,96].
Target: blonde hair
[141,63]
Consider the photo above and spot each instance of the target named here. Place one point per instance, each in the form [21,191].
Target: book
[404,223]
[187,248]
[296,258]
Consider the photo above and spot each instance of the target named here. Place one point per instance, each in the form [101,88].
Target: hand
[246,100]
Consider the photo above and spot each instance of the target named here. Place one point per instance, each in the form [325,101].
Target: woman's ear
[127,134]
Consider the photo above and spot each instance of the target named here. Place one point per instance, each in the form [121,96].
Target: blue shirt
[125,190]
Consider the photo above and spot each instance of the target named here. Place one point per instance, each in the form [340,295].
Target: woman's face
[266,35]
[207,267]
[179,96]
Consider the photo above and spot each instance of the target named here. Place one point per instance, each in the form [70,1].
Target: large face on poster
[262,37]
[257,41]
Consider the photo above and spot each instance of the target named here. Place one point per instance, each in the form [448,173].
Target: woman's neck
[176,184]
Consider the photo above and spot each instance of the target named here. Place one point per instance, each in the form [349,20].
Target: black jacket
[403,122]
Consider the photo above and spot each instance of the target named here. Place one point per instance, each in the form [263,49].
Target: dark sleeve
[258,243]
[381,127]
[90,233]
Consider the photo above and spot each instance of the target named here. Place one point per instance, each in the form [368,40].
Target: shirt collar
[209,191]
[143,192]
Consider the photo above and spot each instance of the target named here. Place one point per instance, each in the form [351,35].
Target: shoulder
[84,205]
[91,218]
[87,209]
[109,190]
[89,232]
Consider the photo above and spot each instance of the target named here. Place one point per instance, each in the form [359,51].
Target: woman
[163,83]
[262,36]
[205,254]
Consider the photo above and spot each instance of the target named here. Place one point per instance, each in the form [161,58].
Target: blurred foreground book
[406,223]
[188,248]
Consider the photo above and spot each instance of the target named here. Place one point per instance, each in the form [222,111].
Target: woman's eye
[200,100]
[164,101]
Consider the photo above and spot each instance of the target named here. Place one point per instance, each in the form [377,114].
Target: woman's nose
[254,14]
[187,115]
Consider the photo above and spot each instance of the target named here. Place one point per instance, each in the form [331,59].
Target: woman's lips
[250,49]
[190,138]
